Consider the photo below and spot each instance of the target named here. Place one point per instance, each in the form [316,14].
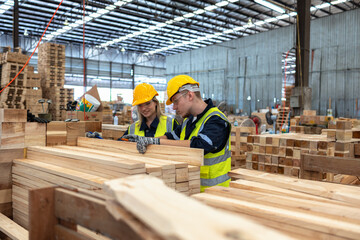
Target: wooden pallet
[282,117]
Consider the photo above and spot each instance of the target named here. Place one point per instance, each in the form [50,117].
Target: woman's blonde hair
[159,113]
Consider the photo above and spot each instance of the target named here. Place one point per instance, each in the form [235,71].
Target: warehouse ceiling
[158,26]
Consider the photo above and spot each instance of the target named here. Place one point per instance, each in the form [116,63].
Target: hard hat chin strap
[190,87]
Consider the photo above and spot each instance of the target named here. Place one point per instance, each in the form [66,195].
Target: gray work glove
[142,142]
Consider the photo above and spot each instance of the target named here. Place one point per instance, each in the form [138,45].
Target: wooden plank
[338,165]
[13,115]
[89,157]
[86,211]
[63,172]
[41,215]
[192,156]
[12,229]
[285,216]
[343,193]
[5,196]
[155,208]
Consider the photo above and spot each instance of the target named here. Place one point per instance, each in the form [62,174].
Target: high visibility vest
[166,124]
[216,165]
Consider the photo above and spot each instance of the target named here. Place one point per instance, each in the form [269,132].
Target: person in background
[152,122]
[205,127]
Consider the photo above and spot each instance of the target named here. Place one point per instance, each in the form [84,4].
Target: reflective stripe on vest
[216,165]
[165,125]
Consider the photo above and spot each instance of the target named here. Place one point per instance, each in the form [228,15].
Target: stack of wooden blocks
[239,145]
[113,132]
[282,117]
[66,133]
[95,161]
[11,63]
[51,66]
[281,153]
[33,92]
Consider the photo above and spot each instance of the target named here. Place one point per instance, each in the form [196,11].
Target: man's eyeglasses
[176,101]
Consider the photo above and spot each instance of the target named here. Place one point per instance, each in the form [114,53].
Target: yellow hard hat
[177,82]
[143,93]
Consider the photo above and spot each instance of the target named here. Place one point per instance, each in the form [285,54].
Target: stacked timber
[113,132]
[66,133]
[95,161]
[136,207]
[281,153]
[282,117]
[51,67]
[302,209]
[11,63]
[239,145]
[12,128]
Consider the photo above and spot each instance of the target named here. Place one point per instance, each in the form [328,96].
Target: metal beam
[303,42]
[16,24]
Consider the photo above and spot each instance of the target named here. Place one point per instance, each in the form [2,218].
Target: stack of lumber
[282,117]
[14,95]
[66,133]
[178,167]
[288,92]
[239,145]
[124,116]
[12,128]
[94,161]
[107,114]
[13,57]
[51,67]
[281,153]
[139,207]
[113,132]
[303,209]
[6,158]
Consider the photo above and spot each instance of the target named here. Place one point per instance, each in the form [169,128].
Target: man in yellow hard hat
[205,127]
[152,122]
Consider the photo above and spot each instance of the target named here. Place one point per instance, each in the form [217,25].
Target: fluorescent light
[178,19]
[137,33]
[61,30]
[152,27]
[259,23]
[270,5]
[199,11]
[229,31]
[232,1]
[221,4]
[88,18]
[218,33]
[292,14]
[160,25]
[211,7]
[338,1]
[119,3]
[103,11]
[324,5]
[73,25]
[270,19]
[169,22]
[189,15]
[67,27]
[238,28]
[111,7]
[95,15]
[282,16]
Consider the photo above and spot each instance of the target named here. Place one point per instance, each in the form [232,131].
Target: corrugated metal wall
[251,66]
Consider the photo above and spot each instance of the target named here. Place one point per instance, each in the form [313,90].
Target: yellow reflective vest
[216,165]
[166,124]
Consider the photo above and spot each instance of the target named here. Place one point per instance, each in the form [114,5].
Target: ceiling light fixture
[270,5]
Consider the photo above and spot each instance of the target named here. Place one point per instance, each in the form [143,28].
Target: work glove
[142,142]
[93,135]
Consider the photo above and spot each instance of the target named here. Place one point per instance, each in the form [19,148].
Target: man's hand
[142,142]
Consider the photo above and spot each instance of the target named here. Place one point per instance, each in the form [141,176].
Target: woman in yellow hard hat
[152,122]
